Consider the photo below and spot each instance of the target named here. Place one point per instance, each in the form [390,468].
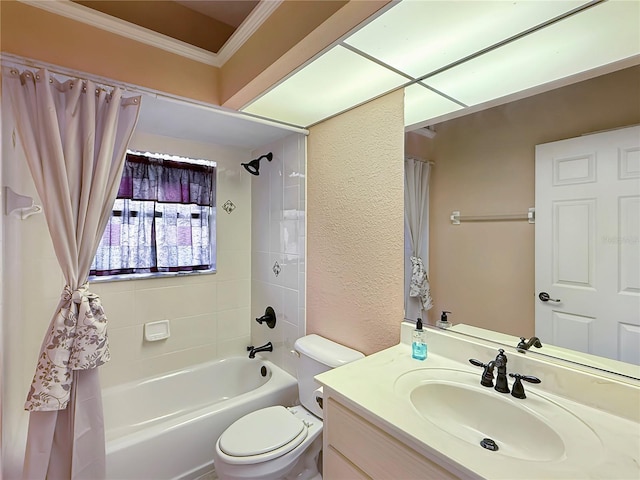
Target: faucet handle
[487,374]
[518,389]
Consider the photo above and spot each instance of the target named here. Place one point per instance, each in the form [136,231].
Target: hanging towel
[419,286]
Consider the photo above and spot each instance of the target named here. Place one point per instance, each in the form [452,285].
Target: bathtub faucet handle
[269,318]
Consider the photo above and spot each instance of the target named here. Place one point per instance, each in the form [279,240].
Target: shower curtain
[416,208]
[74,134]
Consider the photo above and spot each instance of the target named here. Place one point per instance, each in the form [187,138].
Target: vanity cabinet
[355,449]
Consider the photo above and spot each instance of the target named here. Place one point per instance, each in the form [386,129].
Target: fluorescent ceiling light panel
[598,36]
[421,103]
[420,37]
[334,82]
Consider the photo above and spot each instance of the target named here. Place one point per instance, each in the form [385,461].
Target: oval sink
[535,429]
[473,415]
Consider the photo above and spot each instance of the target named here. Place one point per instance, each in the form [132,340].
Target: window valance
[167,181]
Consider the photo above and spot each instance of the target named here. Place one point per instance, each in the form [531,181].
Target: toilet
[276,443]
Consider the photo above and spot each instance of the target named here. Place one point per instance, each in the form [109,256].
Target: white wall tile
[234,323]
[233,294]
[290,306]
[289,274]
[261,266]
[285,231]
[234,347]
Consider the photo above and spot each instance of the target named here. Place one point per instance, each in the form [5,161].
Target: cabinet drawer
[376,453]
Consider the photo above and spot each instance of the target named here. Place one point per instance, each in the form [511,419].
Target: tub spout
[267,347]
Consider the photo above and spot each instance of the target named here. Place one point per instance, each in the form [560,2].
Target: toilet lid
[262,431]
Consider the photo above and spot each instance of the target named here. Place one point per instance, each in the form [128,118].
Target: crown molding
[247,28]
[80,13]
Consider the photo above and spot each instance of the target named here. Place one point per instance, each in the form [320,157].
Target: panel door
[588,243]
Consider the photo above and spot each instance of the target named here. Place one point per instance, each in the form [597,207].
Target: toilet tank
[316,355]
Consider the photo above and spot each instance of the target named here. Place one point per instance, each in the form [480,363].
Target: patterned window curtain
[160,221]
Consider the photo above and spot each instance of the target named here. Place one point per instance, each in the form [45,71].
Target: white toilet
[276,443]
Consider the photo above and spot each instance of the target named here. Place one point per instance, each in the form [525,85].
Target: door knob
[544,296]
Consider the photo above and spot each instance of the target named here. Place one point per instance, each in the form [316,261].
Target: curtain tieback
[90,344]
[76,340]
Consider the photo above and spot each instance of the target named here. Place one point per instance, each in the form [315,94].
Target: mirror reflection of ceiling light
[421,103]
[473,52]
[598,36]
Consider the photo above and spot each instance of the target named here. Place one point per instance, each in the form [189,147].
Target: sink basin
[473,415]
[534,429]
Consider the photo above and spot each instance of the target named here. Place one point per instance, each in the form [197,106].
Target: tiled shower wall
[278,247]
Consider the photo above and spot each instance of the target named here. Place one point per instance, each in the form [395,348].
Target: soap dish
[154,331]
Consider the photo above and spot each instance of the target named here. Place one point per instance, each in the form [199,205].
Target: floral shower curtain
[416,209]
[74,134]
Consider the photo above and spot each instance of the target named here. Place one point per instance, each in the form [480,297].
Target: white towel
[419,286]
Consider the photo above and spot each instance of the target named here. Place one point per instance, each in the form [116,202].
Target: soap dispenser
[419,344]
[444,321]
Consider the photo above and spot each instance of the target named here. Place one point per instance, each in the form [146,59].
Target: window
[163,219]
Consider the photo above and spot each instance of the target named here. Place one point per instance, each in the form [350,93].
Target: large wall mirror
[484,164]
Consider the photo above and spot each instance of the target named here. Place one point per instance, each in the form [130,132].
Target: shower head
[253,167]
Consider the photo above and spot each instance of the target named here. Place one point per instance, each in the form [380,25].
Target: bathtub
[166,427]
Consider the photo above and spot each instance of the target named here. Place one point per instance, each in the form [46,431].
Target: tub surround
[278,247]
[596,417]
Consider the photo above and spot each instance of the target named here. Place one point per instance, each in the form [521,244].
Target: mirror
[484,164]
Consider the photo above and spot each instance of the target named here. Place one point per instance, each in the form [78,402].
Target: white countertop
[371,386]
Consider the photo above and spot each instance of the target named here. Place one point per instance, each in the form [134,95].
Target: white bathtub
[166,427]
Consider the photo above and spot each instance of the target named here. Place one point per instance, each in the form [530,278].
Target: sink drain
[489,444]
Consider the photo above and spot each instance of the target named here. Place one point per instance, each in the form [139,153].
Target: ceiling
[167,117]
[231,12]
[206,24]
[454,57]
[450,57]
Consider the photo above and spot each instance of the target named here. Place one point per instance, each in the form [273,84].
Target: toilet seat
[262,435]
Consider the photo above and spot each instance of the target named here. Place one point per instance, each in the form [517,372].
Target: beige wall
[33,33]
[294,33]
[484,164]
[355,225]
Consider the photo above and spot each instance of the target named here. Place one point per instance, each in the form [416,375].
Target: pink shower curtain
[75,134]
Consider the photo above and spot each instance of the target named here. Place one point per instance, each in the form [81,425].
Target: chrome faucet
[267,347]
[527,344]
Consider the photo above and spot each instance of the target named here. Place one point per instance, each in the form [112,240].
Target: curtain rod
[8,59]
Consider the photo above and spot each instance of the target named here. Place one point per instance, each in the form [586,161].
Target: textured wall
[355,225]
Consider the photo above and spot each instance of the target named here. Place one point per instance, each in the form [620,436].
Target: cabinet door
[336,467]
[375,453]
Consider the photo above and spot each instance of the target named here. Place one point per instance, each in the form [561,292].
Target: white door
[588,243]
